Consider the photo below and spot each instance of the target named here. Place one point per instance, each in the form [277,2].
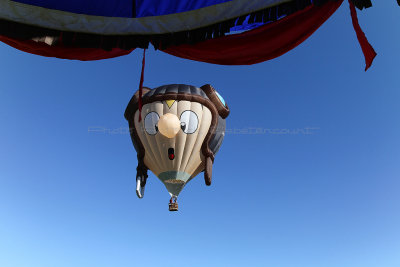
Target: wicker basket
[173,206]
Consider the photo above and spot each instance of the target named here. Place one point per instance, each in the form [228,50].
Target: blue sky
[283,198]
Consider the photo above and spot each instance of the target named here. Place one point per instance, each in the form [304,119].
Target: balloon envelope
[181,130]
[99,29]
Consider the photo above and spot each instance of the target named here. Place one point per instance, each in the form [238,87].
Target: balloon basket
[173,204]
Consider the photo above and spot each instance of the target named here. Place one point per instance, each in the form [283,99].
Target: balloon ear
[133,103]
[208,171]
[217,100]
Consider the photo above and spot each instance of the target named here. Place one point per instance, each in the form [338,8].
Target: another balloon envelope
[229,32]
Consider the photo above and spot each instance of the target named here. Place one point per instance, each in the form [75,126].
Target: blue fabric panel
[107,8]
[123,8]
[145,8]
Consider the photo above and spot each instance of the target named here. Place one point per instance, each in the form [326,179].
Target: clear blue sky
[283,199]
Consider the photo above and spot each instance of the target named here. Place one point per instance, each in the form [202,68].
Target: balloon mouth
[171,153]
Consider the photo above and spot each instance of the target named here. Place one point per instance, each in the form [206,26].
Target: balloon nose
[169,125]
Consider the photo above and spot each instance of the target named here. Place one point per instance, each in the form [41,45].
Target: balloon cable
[141,84]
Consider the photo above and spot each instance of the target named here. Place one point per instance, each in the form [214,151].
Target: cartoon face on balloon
[172,133]
[180,130]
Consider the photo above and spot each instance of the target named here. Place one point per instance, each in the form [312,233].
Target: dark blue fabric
[145,8]
[123,8]
[142,8]
[108,8]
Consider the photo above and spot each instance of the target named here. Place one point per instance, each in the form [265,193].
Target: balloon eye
[189,122]
[150,123]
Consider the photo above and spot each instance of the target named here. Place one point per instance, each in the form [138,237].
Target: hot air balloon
[227,32]
[176,134]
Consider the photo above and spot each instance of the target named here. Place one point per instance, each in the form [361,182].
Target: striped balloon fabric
[247,32]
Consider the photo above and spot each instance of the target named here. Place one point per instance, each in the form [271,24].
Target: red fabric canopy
[43,49]
[260,44]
